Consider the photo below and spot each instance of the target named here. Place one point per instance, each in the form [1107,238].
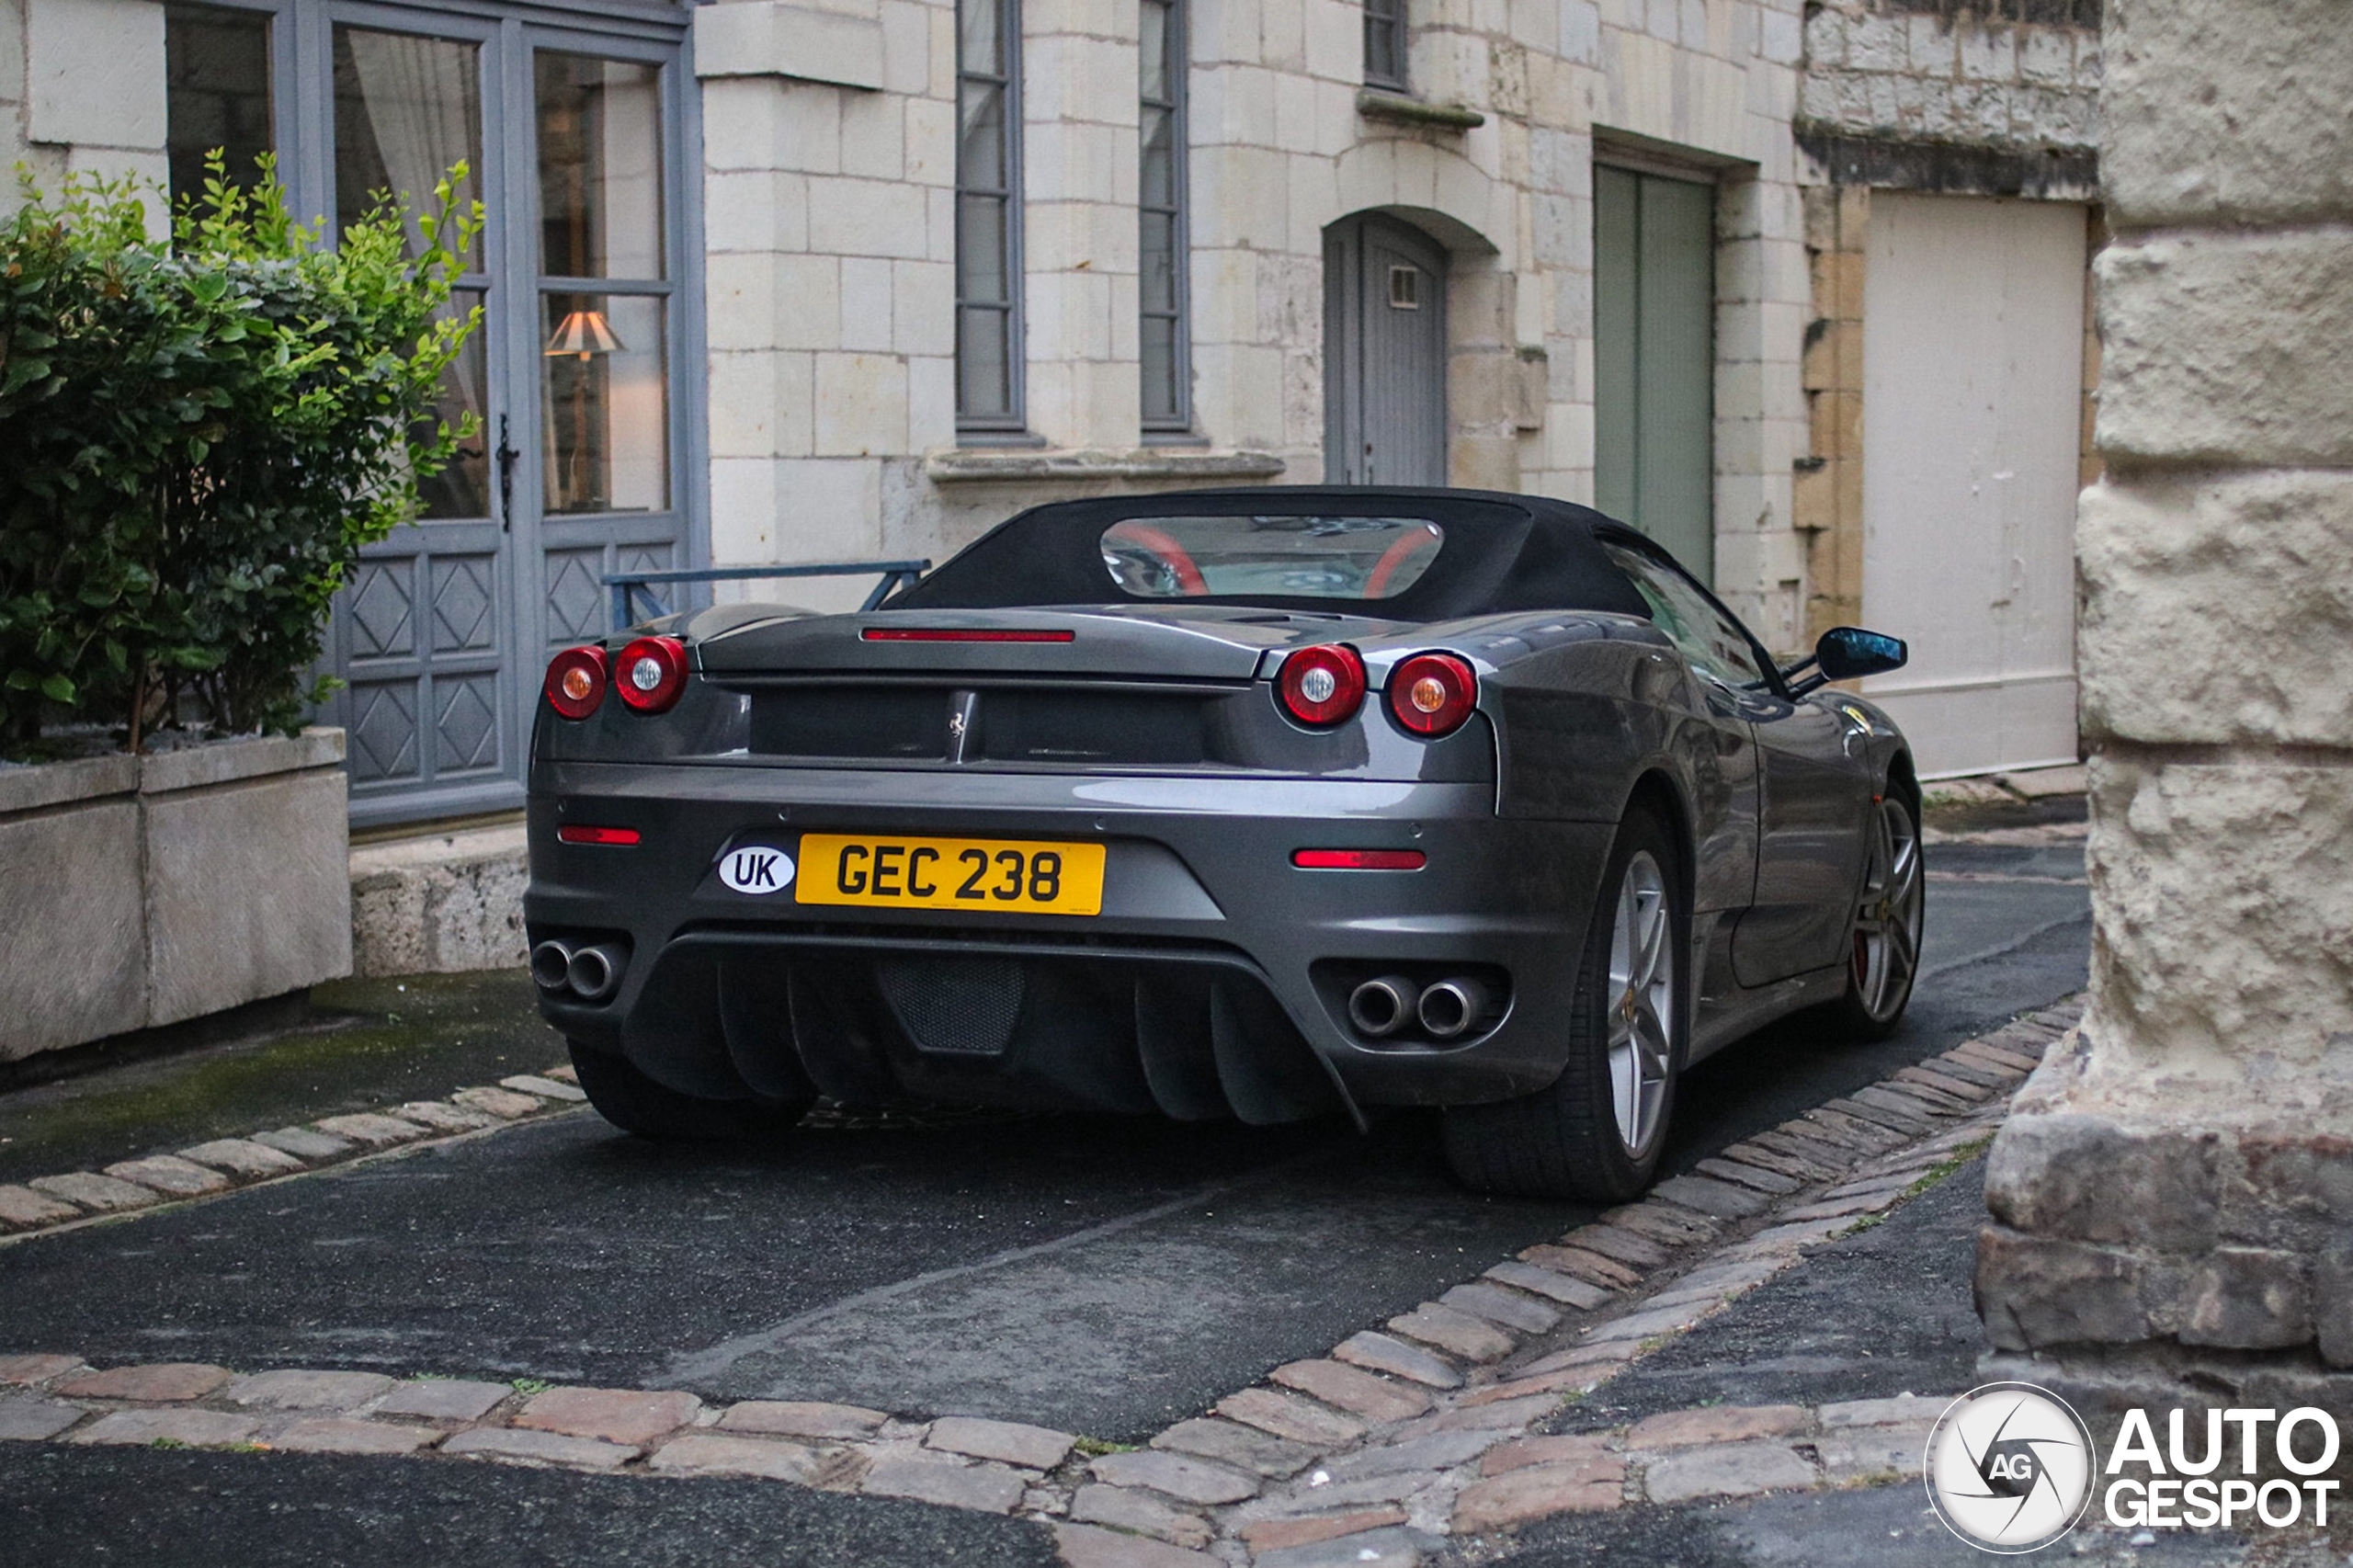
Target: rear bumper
[1215,978]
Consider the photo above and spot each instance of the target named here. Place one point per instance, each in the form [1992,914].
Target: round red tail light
[1432,694]
[651,673]
[1322,685]
[575,682]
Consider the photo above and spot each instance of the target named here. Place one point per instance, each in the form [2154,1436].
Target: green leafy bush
[199,436]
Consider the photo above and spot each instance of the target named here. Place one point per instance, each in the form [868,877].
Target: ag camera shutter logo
[2010,1468]
[756,869]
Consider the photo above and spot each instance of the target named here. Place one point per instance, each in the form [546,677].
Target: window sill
[991,436]
[973,465]
[1374,104]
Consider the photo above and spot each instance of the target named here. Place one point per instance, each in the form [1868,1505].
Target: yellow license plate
[1018,875]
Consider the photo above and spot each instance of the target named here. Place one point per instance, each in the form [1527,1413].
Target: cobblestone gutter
[201,1170]
[1403,1437]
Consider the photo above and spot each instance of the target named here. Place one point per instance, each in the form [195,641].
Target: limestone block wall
[1995,75]
[830,194]
[2215,1070]
[1080,243]
[830,238]
[1828,501]
[82,89]
[12,93]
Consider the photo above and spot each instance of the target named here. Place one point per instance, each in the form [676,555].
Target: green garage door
[1653,329]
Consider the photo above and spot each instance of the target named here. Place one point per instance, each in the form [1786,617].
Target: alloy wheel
[1888,919]
[1642,1002]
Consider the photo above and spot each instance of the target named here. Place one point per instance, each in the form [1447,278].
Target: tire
[1890,912]
[1597,1132]
[635,1103]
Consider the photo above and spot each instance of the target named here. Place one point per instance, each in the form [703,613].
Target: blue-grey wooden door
[573,141]
[1384,379]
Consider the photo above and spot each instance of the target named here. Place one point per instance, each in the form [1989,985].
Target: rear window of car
[1287,556]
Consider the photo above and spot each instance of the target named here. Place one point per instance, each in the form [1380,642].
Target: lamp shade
[584,332]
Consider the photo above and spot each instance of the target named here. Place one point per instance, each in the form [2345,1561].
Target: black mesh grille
[1058,726]
[908,722]
[961,1006]
[1126,726]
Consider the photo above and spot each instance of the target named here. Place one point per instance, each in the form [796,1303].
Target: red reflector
[960,634]
[574,833]
[1358,859]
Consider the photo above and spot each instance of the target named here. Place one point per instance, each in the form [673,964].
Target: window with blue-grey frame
[988,215]
[1167,376]
[1385,43]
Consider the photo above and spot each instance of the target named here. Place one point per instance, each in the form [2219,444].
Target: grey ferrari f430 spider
[1264,803]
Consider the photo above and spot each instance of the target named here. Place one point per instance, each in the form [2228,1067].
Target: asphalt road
[1885,1312]
[1870,1526]
[1098,1275]
[65,1508]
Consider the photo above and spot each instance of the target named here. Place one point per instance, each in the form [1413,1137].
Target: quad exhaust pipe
[1451,1007]
[1382,1007]
[1446,1010]
[591,971]
[551,964]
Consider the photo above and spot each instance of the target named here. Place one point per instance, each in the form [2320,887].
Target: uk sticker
[756,869]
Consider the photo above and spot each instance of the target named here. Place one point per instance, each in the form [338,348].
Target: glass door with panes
[570,141]
[422,633]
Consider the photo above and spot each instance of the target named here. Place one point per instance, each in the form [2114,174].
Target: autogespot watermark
[2011,1468]
[2175,1489]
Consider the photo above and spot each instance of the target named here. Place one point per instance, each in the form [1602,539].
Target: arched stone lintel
[1439,192]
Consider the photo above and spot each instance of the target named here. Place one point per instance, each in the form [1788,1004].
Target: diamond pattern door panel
[382,722]
[466,722]
[576,595]
[464,604]
[419,636]
[382,609]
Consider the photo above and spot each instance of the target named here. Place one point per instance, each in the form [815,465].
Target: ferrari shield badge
[756,869]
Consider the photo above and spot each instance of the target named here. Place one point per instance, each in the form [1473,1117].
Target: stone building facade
[841,326]
[1619,251]
[2173,1203]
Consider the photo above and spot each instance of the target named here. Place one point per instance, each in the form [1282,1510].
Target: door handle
[507,456]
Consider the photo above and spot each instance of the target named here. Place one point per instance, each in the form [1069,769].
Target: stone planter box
[145,890]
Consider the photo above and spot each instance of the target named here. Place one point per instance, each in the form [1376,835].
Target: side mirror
[1844,653]
[1847,651]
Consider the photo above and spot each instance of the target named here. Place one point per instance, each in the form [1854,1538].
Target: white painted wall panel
[1973,368]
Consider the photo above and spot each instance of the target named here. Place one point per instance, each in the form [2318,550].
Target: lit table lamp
[582,335]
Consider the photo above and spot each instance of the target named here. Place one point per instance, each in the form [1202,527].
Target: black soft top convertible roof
[1501,554]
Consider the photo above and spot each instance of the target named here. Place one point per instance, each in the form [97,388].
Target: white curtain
[424,104]
[423,96]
